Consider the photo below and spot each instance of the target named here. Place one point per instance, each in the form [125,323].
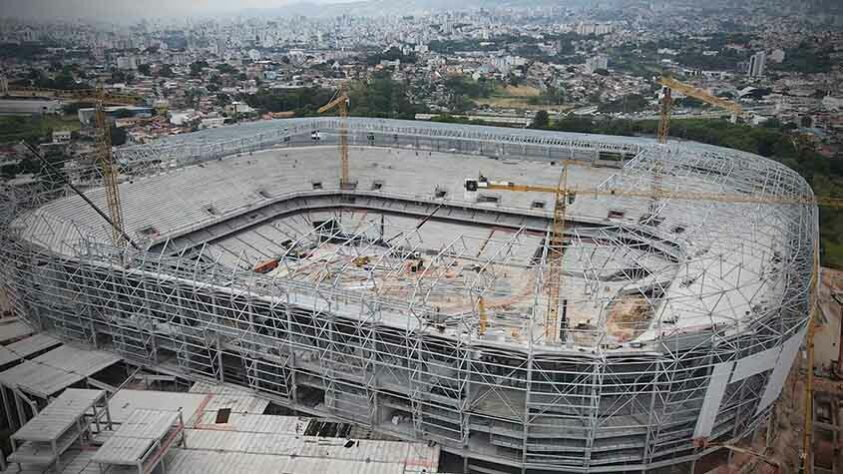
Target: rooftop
[246,443]
[57,369]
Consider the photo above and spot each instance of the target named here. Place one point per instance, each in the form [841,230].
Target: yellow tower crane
[564,196]
[340,102]
[555,248]
[670,84]
[484,318]
[104,156]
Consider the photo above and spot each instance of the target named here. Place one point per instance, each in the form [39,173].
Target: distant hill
[391,7]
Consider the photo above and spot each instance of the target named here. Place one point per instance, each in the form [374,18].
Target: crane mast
[340,102]
[105,159]
[102,148]
[555,257]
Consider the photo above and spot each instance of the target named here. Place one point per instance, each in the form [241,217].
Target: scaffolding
[684,317]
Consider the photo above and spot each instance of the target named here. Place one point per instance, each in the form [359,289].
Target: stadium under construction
[415,306]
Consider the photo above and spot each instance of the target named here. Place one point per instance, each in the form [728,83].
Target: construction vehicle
[670,84]
[340,102]
[361,261]
[103,152]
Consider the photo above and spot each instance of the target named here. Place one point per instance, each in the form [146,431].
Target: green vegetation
[549,96]
[222,100]
[50,178]
[689,102]
[635,60]
[462,85]
[806,60]
[390,55]
[452,46]
[118,76]
[16,128]
[824,175]
[227,69]
[378,97]
[540,120]
[462,90]
[725,60]
[382,97]
[62,80]
[626,104]
[72,108]
[166,70]
[304,101]
[22,52]
[197,67]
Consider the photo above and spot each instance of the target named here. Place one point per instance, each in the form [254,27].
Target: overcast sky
[127,8]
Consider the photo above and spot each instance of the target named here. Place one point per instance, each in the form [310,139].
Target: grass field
[517,97]
[17,128]
[511,97]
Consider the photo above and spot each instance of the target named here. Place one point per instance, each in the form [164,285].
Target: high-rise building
[127,63]
[756,64]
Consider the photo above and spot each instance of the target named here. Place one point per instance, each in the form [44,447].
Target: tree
[9,171]
[391,54]
[144,69]
[192,97]
[72,108]
[225,68]
[540,120]
[222,100]
[382,97]
[626,104]
[550,96]
[166,71]
[772,123]
[197,67]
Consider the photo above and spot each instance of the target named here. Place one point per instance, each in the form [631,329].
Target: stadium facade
[682,317]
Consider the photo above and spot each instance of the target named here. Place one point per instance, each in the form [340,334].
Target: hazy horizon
[132,9]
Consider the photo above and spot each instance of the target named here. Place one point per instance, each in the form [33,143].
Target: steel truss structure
[725,297]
